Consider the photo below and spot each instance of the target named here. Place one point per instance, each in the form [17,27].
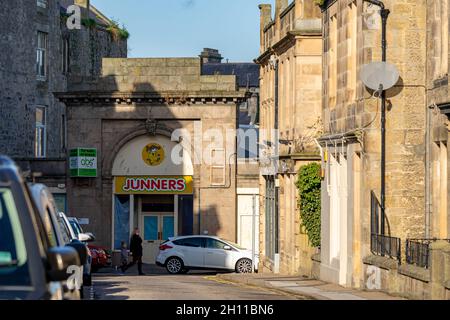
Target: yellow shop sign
[154,185]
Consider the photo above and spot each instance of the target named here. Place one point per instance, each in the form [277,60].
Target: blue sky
[182,28]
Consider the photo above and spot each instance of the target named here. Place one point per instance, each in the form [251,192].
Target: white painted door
[248,221]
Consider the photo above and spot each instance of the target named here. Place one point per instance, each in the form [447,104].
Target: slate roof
[247,73]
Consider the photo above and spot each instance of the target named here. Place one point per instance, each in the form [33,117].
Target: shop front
[151,192]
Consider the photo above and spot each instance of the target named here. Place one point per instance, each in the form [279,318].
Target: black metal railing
[381,244]
[386,246]
[418,251]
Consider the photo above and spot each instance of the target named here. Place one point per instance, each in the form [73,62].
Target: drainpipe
[384,13]
[427,173]
[277,188]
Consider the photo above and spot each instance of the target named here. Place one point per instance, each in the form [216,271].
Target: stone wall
[438,98]
[17,78]
[116,108]
[410,281]
[20,90]
[293,38]
[360,116]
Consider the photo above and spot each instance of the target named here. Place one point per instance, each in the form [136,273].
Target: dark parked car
[57,234]
[31,267]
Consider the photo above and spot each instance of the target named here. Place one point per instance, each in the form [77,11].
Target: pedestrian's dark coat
[136,245]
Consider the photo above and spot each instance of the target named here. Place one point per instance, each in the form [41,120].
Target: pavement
[157,284]
[313,289]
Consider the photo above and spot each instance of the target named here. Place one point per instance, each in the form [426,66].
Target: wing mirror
[60,259]
[81,249]
[228,248]
[86,237]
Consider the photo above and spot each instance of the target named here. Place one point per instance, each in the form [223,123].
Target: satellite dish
[379,75]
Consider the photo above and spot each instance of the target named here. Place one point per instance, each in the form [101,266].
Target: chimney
[265,14]
[280,5]
[265,11]
[211,56]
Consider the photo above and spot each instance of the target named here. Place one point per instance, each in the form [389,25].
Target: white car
[181,254]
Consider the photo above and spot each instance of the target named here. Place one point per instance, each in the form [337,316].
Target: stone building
[355,252]
[156,128]
[41,56]
[247,179]
[290,90]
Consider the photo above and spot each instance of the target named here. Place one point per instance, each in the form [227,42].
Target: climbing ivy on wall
[319,2]
[308,185]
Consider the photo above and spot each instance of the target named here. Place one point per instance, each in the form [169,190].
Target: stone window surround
[41,55]
[40,146]
[42,3]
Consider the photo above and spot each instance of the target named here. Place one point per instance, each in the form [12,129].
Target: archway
[152,190]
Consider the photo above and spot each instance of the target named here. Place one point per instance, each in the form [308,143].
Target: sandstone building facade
[139,116]
[290,119]
[41,56]
[355,252]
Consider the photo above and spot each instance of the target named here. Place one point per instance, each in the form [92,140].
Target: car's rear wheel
[244,266]
[174,265]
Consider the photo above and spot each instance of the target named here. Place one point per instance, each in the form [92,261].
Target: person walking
[136,252]
[123,256]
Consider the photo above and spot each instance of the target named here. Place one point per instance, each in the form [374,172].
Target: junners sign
[154,185]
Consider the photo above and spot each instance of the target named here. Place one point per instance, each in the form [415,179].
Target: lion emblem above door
[153,154]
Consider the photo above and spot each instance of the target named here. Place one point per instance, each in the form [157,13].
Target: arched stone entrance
[152,190]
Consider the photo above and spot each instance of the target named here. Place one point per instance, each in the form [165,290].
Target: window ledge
[415,272]
[381,262]
[440,81]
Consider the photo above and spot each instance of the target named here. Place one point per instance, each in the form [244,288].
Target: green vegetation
[117,32]
[89,23]
[308,185]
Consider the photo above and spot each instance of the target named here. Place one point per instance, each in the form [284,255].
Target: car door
[216,256]
[192,251]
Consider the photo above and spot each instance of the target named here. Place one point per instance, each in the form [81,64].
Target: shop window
[186,215]
[121,220]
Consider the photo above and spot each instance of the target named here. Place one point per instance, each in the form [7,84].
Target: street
[157,284]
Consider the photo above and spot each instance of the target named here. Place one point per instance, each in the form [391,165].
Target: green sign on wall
[83,163]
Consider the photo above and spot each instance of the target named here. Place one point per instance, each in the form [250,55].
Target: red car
[100,257]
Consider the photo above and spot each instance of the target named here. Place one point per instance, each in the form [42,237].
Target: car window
[49,228]
[75,227]
[13,255]
[189,242]
[214,244]
[235,245]
[64,231]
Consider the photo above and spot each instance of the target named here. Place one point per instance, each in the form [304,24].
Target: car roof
[8,170]
[194,236]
